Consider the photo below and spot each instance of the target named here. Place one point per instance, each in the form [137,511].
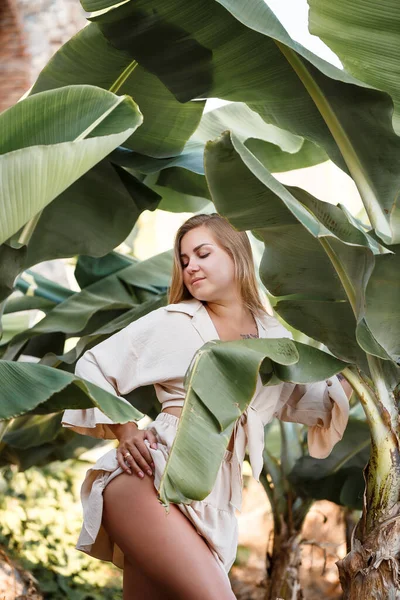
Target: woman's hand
[132,453]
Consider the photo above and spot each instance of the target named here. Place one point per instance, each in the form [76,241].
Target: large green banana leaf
[70,224]
[62,229]
[216,397]
[40,389]
[50,140]
[302,237]
[275,146]
[109,303]
[366,36]
[89,58]
[286,84]
[178,180]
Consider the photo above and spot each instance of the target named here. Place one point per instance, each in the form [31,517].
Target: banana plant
[293,480]
[339,285]
[49,141]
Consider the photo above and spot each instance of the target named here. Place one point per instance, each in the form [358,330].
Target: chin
[203,297]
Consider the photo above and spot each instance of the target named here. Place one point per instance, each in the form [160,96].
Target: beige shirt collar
[202,321]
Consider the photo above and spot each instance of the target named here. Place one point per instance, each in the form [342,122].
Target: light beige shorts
[214,517]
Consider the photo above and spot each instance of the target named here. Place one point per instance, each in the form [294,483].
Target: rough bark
[371,570]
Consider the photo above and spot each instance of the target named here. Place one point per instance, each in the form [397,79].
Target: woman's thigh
[165,547]
[138,586]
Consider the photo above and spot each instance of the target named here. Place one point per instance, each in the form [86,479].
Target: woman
[187,553]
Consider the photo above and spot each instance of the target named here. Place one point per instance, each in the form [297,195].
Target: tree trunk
[371,570]
[283,566]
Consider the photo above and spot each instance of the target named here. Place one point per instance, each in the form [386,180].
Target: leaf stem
[344,279]
[350,156]
[29,228]
[369,403]
[127,72]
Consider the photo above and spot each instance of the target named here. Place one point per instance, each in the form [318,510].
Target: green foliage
[40,519]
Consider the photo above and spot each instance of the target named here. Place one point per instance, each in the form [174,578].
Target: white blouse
[158,348]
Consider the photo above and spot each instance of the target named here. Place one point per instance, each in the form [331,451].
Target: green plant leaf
[286,84]
[31,387]
[64,133]
[219,385]
[366,37]
[313,255]
[88,58]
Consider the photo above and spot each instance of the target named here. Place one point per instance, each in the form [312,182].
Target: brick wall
[30,32]
[14,57]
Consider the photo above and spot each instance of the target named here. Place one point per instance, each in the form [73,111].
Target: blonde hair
[236,244]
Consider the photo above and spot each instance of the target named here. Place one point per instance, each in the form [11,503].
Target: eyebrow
[197,247]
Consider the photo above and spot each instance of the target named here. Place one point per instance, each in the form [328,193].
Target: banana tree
[340,286]
[49,141]
[323,266]
[293,480]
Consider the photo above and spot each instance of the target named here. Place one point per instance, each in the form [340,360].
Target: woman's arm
[112,365]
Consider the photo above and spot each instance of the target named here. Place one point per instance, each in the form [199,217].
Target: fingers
[134,456]
[139,461]
[122,461]
[149,435]
[135,464]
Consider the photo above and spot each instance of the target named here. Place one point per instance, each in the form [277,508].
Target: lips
[197,279]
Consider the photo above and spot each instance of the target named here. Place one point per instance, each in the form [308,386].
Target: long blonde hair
[236,244]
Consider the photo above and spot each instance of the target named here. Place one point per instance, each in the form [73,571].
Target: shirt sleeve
[112,365]
[324,407]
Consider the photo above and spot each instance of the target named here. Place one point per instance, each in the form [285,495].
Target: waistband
[173,420]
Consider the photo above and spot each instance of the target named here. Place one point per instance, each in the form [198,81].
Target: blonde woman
[187,553]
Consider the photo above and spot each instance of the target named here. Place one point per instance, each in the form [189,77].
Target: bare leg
[166,549]
[137,585]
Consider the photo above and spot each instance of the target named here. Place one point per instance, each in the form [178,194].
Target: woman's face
[203,259]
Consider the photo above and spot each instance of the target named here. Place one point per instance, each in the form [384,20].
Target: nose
[192,266]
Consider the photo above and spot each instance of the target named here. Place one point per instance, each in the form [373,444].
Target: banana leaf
[216,397]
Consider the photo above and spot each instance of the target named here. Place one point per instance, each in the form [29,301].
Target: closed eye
[202,256]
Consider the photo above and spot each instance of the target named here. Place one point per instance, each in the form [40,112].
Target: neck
[233,311]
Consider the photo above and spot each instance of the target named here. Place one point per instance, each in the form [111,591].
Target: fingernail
[140,474]
[129,471]
[154,446]
[149,473]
